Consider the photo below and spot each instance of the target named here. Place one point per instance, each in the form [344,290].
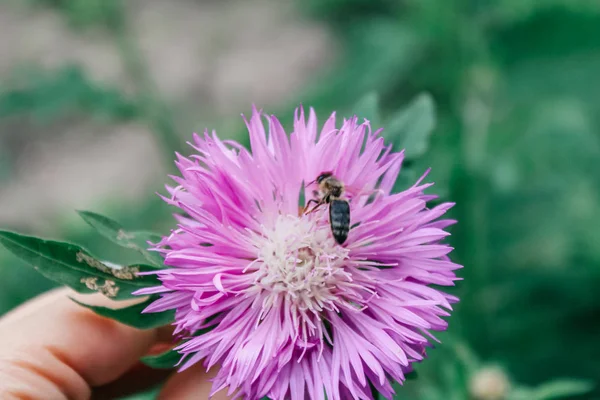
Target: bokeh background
[96,95]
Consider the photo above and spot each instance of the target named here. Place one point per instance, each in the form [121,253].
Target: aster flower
[263,291]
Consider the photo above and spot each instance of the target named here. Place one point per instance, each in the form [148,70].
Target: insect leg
[319,204]
[308,203]
[324,200]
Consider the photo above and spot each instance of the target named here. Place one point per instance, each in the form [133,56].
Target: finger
[193,383]
[165,333]
[54,346]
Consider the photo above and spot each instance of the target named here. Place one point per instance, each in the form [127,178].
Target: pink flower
[285,311]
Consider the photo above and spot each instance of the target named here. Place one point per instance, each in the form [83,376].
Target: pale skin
[53,349]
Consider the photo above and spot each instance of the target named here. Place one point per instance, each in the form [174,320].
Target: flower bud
[489,383]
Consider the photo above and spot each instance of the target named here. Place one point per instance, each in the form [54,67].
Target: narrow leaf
[166,360]
[133,315]
[115,232]
[411,127]
[562,388]
[71,265]
[368,107]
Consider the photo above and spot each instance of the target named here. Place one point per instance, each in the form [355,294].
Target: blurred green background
[96,95]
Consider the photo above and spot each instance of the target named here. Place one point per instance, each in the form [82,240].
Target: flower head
[263,290]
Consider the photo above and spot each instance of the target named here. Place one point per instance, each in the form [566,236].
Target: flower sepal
[165,360]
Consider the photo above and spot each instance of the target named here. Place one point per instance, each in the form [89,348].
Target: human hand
[53,348]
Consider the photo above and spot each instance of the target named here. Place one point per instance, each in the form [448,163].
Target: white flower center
[300,263]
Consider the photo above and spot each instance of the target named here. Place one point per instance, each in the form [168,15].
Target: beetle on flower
[266,294]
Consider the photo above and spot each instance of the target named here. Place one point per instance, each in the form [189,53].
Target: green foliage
[49,95]
[410,128]
[112,230]
[88,13]
[344,12]
[452,370]
[166,360]
[133,315]
[71,265]
[368,107]
[411,376]
[516,144]
[381,53]
[558,389]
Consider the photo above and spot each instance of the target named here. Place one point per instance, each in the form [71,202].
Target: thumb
[53,348]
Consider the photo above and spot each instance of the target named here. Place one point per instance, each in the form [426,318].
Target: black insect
[331,191]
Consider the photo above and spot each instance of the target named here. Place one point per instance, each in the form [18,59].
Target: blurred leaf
[411,376]
[573,31]
[532,82]
[406,178]
[368,107]
[387,50]
[561,388]
[13,272]
[133,315]
[113,231]
[48,95]
[347,11]
[465,355]
[166,360]
[411,127]
[88,13]
[70,265]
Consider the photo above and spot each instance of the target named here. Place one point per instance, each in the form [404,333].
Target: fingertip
[96,348]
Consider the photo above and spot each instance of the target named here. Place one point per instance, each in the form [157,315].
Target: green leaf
[561,388]
[71,265]
[368,107]
[133,315]
[113,231]
[166,360]
[411,127]
[48,95]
